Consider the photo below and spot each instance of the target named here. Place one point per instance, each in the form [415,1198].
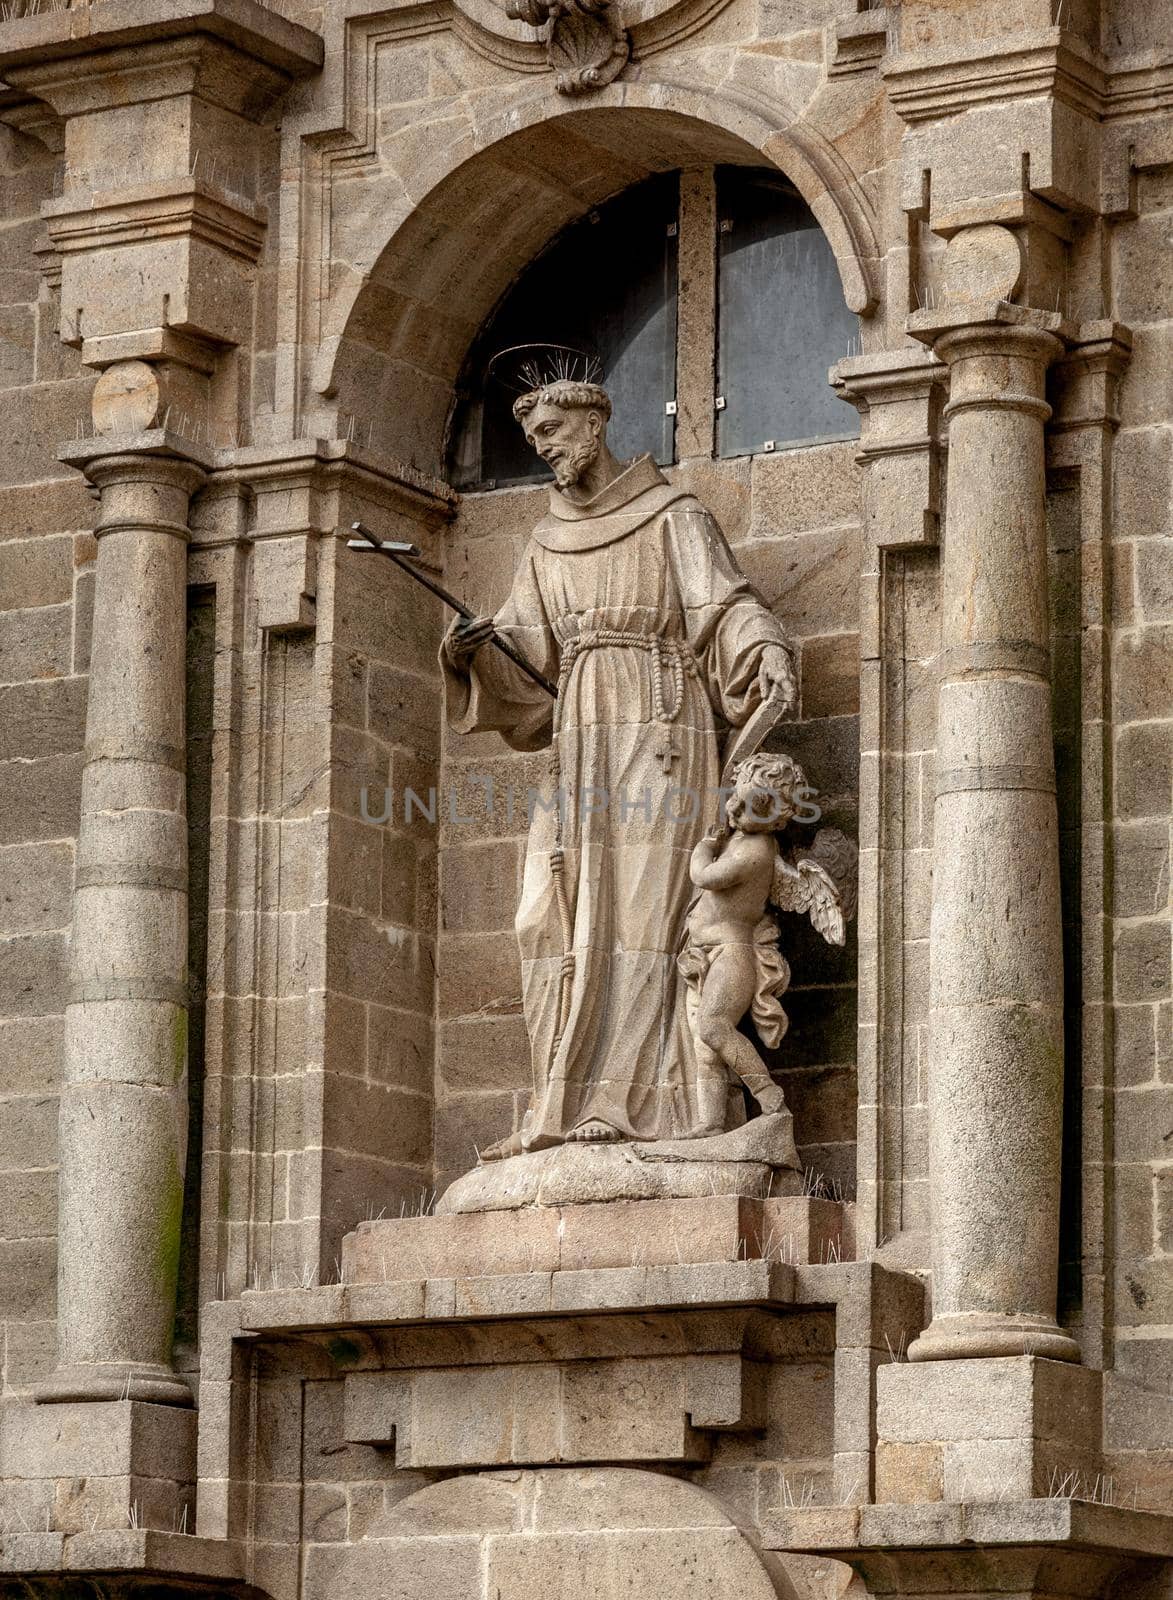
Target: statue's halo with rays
[522,368]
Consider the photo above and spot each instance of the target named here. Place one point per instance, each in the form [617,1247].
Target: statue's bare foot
[594,1132]
[511,1146]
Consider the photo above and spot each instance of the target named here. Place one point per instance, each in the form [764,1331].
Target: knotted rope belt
[671,659]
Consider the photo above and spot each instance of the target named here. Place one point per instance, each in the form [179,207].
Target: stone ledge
[138,1552]
[281,1312]
[842,1531]
[863,1294]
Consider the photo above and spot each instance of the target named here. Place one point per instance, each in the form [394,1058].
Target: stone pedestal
[1014,1428]
[99,1466]
[124,1099]
[620,1233]
[996,975]
[757,1160]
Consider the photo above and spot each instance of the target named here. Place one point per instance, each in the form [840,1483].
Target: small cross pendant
[667,747]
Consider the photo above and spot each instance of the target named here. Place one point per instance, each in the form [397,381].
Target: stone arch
[400,322]
[610,1532]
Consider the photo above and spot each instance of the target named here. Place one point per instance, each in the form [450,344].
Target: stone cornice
[946,82]
[1140,87]
[1043,1526]
[327,461]
[258,31]
[181,207]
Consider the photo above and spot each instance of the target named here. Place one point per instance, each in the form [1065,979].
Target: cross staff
[402,554]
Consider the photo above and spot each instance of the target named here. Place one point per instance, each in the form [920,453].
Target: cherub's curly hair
[568,395]
[777,776]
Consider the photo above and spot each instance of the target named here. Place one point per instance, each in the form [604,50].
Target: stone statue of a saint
[630,598]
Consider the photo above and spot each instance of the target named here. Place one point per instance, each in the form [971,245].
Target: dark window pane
[607,285]
[782,319]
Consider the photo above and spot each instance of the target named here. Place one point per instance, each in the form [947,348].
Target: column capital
[156,455]
[993,327]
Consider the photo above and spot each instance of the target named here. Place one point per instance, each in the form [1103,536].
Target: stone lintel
[590,1407]
[873,1305]
[279,1313]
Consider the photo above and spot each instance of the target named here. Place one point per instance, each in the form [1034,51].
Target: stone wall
[1142,798]
[357,1028]
[46,573]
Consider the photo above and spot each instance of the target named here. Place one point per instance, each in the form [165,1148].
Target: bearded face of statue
[567,439]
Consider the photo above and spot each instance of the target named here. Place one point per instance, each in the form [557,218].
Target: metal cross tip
[395,547]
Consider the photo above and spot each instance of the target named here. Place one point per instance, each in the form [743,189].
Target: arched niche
[793,518]
[396,333]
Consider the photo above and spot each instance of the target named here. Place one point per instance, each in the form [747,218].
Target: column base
[981,1429]
[114,1380]
[965,1336]
[93,1467]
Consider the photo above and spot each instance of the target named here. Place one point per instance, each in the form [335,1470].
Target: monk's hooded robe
[634,604]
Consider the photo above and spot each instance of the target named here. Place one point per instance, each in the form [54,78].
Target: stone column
[996,961]
[124,1099]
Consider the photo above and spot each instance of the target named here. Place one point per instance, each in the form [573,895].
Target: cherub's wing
[839,857]
[788,890]
[806,887]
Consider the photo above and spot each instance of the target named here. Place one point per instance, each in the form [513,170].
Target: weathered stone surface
[285,284]
[682,1544]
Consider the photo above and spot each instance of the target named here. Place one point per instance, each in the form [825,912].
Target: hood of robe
[638,494]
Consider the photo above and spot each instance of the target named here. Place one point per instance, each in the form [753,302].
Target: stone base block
[638,1408]
[794,1229]
[1012,1427]
[756,1160]
[102,1465]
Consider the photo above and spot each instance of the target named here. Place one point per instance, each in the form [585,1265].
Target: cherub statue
[730,958]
